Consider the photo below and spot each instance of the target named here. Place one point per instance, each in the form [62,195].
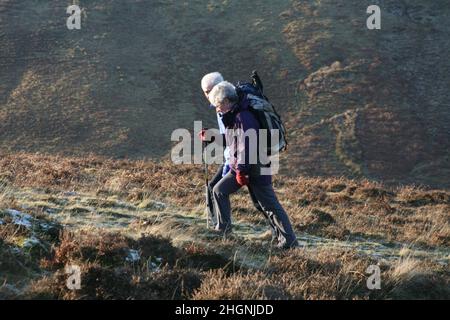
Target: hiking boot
[222,232]
[285,246]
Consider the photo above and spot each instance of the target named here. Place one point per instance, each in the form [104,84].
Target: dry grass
[326,274]
[298,274]
[162,271]
[337,208]
[333,207]
[413,279]
[102,283]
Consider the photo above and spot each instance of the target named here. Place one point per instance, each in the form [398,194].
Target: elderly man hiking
[239,120]
[208,82]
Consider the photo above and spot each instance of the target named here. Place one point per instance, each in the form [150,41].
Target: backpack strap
[257,83]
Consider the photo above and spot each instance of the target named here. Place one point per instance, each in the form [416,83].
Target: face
[224,107]
[207,93]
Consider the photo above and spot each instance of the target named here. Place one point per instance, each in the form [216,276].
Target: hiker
[208,82]
[237,117]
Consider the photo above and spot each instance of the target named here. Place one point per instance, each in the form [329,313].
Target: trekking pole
[206,183]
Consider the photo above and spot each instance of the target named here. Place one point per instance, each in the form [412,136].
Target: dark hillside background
[357,102]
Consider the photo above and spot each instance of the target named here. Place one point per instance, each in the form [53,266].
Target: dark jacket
[237,122]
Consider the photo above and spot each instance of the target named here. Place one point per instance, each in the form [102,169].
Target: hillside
[374,103]
[137,231]
[357,103]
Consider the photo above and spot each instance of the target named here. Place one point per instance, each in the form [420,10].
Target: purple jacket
[237,122]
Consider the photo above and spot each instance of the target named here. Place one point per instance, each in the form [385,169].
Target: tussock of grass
[241,286]
[162,272]
[413,279]
[102,283]
[326,274]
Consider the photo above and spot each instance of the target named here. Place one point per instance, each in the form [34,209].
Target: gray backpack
[265,113]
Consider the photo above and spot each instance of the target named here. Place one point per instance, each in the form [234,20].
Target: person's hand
[242,179]
[202,135]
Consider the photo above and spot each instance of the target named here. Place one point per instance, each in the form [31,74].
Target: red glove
[242,179]
[202,134]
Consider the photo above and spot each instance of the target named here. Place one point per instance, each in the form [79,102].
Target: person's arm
[223,141]
[245,122]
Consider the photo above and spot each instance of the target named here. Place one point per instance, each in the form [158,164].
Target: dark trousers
[212,215]
[209,196]
[267,202]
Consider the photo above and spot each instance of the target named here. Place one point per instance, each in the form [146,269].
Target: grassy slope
[345,225]
[371,105]
[102,90]
[121,85]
